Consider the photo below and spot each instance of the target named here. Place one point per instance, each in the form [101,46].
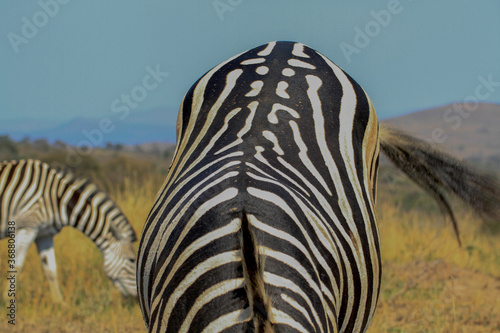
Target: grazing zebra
[266,220]
[39,201]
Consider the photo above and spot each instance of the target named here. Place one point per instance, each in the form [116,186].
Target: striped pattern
[42,200]
[266,219]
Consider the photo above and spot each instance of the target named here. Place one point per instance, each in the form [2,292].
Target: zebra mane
[120,228]
[439,173]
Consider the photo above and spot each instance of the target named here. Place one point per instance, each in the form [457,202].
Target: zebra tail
[439,173]
[259,303]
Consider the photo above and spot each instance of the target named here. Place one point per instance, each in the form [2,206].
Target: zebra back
[266,222]
[266,218]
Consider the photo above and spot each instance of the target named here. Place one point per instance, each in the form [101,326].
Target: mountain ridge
[150,126]
[468,131]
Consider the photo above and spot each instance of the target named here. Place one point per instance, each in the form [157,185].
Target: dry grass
[93,304]
[429,284]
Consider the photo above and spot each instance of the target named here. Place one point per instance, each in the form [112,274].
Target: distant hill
[474,136]
[17,128]
[136,128]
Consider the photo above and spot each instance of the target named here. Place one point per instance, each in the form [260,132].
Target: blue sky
[62,59]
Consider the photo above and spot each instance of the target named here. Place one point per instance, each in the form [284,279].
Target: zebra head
[120,258]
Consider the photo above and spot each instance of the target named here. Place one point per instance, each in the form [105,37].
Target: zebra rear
[260,190]
[266,220]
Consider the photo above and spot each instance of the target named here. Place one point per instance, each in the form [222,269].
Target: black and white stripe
[266,220]
[41,200]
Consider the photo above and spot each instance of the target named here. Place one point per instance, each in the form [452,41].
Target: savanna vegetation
[429,283]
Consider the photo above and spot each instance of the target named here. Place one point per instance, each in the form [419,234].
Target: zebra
[266,220]
[38,200]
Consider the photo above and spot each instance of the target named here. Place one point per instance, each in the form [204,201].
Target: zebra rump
[266,220]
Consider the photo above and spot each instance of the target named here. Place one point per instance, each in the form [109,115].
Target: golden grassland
[429,284]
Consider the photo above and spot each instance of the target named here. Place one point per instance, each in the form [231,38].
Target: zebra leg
[24,238]
[45,246]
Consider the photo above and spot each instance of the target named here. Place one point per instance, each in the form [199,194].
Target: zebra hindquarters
[266,218]
[225,264]
[195,280]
